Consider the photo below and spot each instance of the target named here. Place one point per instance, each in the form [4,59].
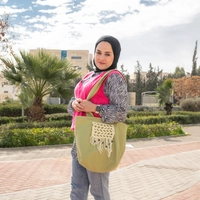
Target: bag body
[99,150]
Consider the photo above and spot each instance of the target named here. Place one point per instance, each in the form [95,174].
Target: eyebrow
[105,51]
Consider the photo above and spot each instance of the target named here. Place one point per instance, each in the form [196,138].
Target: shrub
[142,114]
[179,117]
[51,136]
[15,109]
[10,110]
[49,118]
[6,120]
[14,132]
[50,109]
[35,137]
[198,104]
[17,138]
[154,130]
[147,120]
[190,104]
[26,125]
[58,116]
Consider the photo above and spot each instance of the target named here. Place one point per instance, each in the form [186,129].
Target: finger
[78,100]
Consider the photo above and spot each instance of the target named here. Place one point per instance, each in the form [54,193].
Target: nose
[101,57]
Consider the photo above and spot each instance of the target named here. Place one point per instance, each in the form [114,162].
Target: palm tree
[164,95]
[38,75]
[90,66]
[26,100]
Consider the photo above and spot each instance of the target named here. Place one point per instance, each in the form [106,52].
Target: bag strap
[96,87]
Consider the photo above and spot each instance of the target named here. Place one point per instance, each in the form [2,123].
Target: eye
[107,54]
[98,52]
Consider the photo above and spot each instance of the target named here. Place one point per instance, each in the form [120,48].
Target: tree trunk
[168,107]
[36,111]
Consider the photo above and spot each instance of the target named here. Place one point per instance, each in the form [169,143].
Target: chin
[102,68]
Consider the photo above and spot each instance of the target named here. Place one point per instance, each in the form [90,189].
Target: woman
[110,104]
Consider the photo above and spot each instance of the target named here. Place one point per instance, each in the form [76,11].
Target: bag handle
[96,87]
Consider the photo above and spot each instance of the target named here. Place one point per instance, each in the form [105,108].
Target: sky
[160,32]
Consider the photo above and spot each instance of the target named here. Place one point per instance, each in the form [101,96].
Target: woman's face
[104,55]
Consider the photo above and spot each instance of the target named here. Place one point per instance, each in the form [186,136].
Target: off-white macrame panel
[102,136]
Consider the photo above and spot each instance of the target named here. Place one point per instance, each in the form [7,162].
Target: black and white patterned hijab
[116,47]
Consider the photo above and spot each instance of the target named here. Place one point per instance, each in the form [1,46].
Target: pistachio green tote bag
[100,146]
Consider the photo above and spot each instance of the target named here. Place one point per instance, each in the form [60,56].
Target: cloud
[38,18]
[51,2]
[166,47]
[3,1]
[11,10]
[39,26]
[105,5]
[162,32]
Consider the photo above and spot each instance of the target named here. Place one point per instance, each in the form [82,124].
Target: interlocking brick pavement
[166,168]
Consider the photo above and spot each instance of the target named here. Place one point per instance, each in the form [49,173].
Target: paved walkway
[166,168]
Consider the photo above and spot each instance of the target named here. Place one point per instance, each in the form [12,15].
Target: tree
[198,71]
[127,77]
[152,79]
[5,38]
[26,99]
[164,95]
[194,61]
[187,87]
[39,75]
[179,72]
[139,84]
[123,71]
[90,66]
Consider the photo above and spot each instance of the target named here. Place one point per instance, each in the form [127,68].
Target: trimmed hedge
[35,137]
[143,114]
[133,118]
[154,130]
[10,110]
[52,117]
[15,110]
[50,136]
[26,125]
[14,132]
[182,118]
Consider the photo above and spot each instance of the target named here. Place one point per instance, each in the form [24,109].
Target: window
[63,54]
[77,67]
[76,57]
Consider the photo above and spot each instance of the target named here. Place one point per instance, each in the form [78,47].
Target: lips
[101,63]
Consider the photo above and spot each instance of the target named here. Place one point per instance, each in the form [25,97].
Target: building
[78,58]
[7,90]
[132,98]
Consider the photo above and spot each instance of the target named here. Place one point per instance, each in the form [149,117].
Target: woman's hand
[88,106]
[76,105]
[83,105]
